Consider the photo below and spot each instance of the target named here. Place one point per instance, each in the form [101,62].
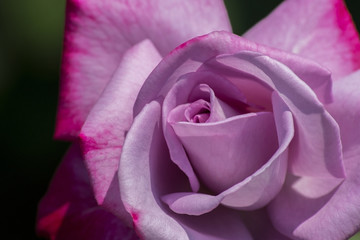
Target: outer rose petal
[321,30]
[69,210]
[336,213]
[103,132]
[98,32]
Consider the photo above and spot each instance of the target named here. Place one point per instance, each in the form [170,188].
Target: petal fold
[316,149]
[143,151]
[181,93]
[335,211]
[102,135]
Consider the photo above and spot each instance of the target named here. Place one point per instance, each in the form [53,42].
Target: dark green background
[31,34]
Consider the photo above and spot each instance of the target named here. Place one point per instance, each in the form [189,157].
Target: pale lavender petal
[256,190]
[179,157]
[310,195]
[98,32]
[321,30]
[144,148]
[192,203]
[225,153]
[69,209]
[242,75]
[103,133]
[316,147]
[346,111]
[260,226]
[220,224]
[190,56]
[335,212]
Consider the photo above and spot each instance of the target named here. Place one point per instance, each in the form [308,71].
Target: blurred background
[31,35]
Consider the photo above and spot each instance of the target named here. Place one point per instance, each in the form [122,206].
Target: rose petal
[345,110]
[316,148]
[256,190]
[220,224]
[103,133]
[190,56]
[69,210]
[226,152]
[99,32]
[191,203]
[212,109]
[321,30]
[260,226]
[142,151]
[337,212]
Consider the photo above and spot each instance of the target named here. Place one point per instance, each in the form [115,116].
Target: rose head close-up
[181,129]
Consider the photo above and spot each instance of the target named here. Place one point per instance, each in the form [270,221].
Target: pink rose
[220,137]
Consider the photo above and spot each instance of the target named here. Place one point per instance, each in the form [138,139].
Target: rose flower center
[198,111]
[224,140]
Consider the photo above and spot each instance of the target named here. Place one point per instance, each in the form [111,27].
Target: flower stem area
[30,55]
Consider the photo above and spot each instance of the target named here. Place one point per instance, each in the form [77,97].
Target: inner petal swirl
[224,143]
[198,111]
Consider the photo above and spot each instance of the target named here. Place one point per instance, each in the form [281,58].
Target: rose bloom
[182,130]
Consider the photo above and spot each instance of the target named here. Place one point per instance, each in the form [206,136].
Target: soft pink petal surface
[69,209]
[220,224]
[260,226]
[103,133]
[335,211]
[143,147]
[98,32]
[321,30]
[226,152]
